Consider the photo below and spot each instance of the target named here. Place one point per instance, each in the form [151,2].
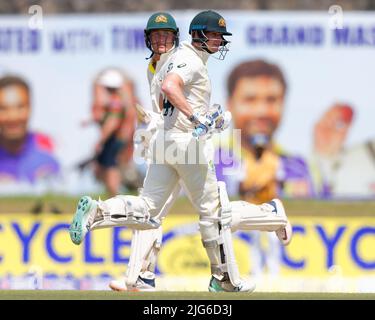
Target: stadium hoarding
[322,65]
[40,251]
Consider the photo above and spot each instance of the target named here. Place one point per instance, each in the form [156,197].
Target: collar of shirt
[161,61]
[201,53]
[163,58]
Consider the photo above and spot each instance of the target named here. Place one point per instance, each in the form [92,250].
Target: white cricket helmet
[111,78]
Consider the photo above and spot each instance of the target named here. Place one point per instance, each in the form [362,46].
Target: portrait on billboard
[26,155]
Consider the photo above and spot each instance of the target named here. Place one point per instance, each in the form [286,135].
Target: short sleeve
[185,68]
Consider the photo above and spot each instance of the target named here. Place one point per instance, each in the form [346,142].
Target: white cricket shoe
[142,284]
[225,285]
[285,233]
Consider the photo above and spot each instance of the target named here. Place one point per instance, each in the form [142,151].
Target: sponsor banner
[323,63]
[321,246]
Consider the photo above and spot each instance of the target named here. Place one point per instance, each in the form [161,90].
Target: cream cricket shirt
[191,65]
[152,80]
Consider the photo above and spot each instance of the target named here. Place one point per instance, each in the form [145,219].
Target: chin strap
[151,55]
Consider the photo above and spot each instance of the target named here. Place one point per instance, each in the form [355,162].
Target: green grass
[110,295]
[23,204]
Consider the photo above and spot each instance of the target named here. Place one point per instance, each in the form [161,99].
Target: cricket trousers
[177,156]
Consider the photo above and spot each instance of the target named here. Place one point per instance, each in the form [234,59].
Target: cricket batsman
[161,38]
[183,91]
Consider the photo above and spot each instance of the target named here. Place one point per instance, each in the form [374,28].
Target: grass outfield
[109,295]
[67,204]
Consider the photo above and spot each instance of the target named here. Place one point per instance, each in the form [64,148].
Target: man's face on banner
[14,112]
[257,105]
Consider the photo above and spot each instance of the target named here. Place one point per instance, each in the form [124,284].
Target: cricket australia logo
[222,22]
[161,18]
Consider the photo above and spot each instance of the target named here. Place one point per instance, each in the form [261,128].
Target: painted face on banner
[14,112]
[257,105]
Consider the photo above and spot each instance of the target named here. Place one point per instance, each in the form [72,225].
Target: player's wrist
[194,118]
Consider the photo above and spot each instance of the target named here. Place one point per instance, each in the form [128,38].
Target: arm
[128,127]
[129,100]
[173,88]
[97,107]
